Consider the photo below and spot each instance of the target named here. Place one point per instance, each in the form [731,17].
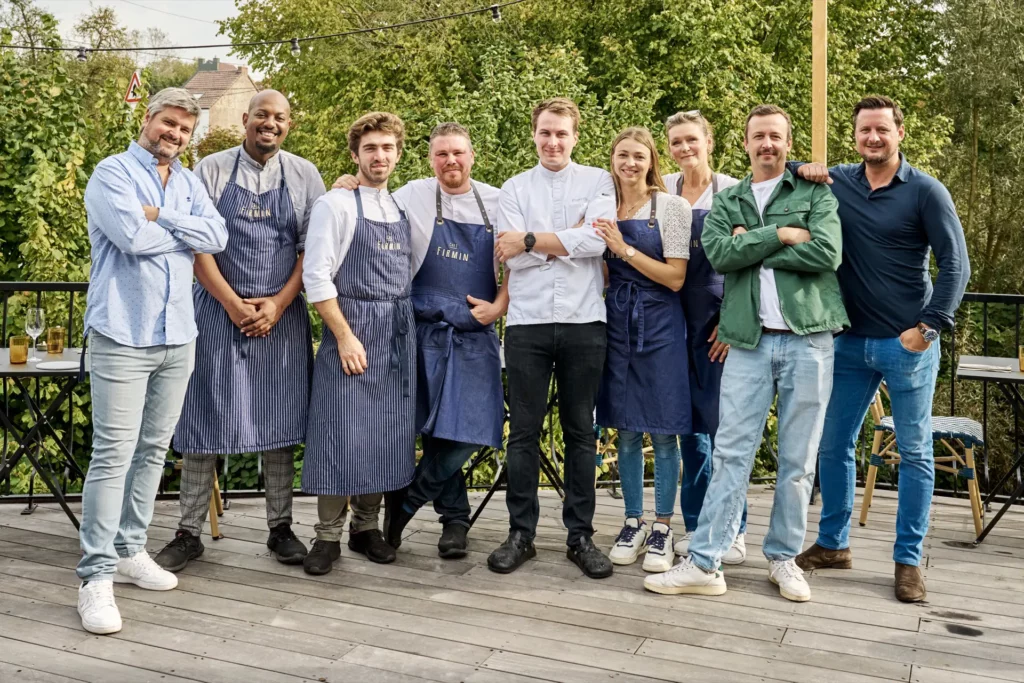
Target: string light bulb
[495,13]
[296,50]
[82,56]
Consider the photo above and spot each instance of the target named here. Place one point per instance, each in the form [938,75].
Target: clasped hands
[256,316]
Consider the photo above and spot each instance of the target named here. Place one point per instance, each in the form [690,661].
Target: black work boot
[507,557]
[176,554]
[372,544]
[589,559]
[320,559]
[286,548]
[452,543]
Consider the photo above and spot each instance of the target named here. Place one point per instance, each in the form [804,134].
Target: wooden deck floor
[240,617]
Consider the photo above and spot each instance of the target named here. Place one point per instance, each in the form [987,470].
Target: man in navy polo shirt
[893,216]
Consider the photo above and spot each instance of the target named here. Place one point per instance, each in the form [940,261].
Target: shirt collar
[255,164]
[146,158]
[548,174]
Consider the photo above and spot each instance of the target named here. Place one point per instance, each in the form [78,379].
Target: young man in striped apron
[456,300]
[556,321]
[361,438]
[250,389]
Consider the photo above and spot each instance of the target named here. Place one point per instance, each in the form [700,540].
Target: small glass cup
[19,350]
[55,340]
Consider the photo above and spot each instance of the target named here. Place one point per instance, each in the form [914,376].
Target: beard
[267,147]
[453,179]
[877,155]
[162,147]
[376,174]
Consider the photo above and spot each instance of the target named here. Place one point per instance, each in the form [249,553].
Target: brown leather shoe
[817,557]
[909,583]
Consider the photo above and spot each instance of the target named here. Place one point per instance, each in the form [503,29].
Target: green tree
[218,139]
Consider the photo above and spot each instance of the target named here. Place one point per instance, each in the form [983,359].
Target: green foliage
[217,140]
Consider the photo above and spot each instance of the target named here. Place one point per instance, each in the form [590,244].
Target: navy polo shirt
[887,236]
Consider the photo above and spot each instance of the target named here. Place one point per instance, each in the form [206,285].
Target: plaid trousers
[197,472]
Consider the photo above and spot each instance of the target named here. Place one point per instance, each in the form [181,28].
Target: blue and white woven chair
[961,431]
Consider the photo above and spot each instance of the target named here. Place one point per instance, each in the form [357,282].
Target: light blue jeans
[137,394]
[631,471]
[799,370]
[861,364]
[696,450]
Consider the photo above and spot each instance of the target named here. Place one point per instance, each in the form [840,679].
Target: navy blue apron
[361,436]
[702,300]
[644,387]
[459,391]
[249,394]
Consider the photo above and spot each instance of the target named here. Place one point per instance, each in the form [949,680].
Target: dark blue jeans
[439,478]
[696,450]
[861,363]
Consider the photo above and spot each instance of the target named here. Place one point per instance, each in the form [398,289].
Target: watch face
[530,239]
[631,252]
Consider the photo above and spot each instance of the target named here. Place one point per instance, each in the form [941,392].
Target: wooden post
[819,81]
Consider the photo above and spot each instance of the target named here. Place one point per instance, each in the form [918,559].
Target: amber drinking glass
[55,340]
[19,350]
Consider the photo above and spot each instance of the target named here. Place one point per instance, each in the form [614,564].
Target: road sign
[134,93]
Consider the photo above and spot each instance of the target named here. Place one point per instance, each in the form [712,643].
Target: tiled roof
[211,85]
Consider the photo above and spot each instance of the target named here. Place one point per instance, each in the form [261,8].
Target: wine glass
[35,323]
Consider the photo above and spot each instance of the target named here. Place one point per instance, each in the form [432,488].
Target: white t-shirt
[771,309]
[674,217]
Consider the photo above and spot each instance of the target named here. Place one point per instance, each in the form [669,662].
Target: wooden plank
[936,652]
[20,674]
[924,674]
[967,631]
[556,670]
[64,663]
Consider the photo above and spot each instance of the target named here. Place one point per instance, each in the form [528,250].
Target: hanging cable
[494,10]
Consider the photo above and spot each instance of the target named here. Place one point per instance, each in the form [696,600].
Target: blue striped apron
[644,387]
[249,394]
[361,436]
[459,391]
[702,300]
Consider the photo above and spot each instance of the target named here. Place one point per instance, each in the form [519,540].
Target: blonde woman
[690,143]
[645,387]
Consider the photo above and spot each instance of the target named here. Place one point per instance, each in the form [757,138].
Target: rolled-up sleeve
[584,242]
[327,241]
[203,230]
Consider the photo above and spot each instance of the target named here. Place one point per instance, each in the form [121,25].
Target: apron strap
[400,331]
[359,204]
[653,220]
[234,169]
[479,202]
[636,315]
[714,184]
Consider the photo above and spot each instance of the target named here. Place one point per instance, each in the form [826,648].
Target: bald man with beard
[250,389]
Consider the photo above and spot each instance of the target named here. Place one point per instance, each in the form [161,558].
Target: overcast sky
[186,22]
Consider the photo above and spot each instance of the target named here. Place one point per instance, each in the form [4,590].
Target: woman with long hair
[690,143]
[645,387]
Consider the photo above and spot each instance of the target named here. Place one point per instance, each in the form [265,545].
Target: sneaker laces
[180,540]
[657,539]
[319,545]
[97,597]
[283,532]
[788,570]
[682,565]
[627,535]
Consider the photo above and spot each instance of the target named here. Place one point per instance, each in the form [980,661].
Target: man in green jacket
[777,239]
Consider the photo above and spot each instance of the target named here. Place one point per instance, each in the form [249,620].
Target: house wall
[227,111]
[202,126]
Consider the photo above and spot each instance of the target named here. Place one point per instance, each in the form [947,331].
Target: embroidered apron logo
[452,252]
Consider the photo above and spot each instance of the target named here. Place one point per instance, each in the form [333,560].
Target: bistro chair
[958,435]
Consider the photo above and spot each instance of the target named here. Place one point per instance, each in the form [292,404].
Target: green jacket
[804,273]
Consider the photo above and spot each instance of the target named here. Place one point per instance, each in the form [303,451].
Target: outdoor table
[1006,375]
[28,439]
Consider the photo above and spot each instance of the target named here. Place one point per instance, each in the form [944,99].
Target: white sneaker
[737,553]
[682,546]
[686,577]
[630,543]
[141,570]
[790,580]
[97,609]
[660,555]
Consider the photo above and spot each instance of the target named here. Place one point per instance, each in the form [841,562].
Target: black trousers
[575,352]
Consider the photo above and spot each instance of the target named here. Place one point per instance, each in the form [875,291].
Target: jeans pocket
[903,346]
[820,340]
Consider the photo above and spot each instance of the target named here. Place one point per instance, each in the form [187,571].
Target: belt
[769,330]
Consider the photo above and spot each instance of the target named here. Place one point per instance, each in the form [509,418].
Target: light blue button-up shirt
[140,284]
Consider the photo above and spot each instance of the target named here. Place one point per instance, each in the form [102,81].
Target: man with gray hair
[254,354]
[147,217]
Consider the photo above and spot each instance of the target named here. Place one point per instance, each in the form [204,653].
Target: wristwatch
[529,241]
[928,333]
[630,253]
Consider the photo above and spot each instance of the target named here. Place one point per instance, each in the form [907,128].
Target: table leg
[1017,404]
